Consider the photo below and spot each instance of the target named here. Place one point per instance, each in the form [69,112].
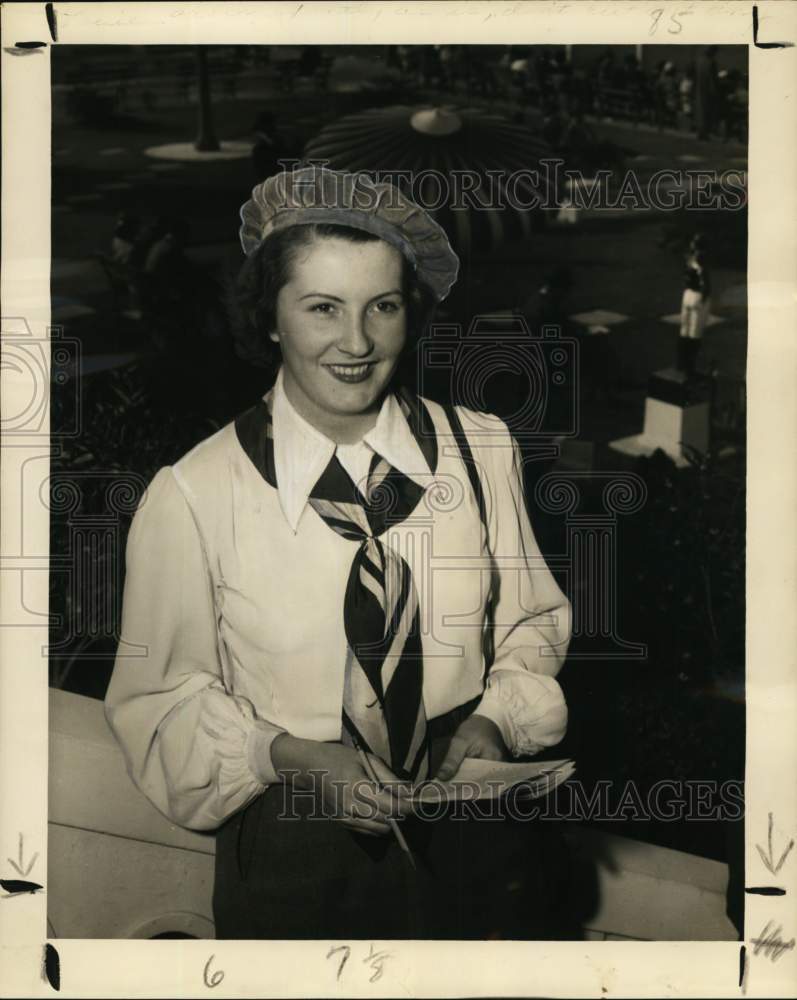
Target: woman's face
[341,327]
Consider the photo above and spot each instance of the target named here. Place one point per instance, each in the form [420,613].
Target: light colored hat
[316,194]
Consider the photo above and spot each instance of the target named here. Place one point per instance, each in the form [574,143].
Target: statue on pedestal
[695,304]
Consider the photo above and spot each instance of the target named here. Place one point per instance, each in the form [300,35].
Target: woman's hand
[344,789]
[477,736]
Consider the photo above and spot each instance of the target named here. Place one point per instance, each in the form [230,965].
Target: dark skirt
[280,877]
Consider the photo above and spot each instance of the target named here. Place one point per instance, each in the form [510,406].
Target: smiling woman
[304,666]
[329,341]
[339,351]
[268,269]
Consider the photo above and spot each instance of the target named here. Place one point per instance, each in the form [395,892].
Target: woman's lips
[351,373]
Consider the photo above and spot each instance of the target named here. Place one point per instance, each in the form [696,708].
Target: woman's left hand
[477,736]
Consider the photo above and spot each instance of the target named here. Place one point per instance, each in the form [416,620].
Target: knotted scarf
[383,708]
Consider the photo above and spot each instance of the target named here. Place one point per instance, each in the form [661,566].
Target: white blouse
[232,625]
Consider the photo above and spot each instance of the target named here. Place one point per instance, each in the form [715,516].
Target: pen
[369,768]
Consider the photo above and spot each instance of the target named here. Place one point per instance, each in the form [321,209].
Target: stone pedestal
[677,416]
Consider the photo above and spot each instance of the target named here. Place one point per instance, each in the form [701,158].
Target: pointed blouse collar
[301,452]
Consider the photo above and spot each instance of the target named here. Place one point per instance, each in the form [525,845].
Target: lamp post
[206,141]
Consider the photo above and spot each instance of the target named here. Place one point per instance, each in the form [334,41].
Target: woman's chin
[357,397]
[355,403]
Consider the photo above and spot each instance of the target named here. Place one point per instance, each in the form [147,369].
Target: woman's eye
[386,306]
[322,307]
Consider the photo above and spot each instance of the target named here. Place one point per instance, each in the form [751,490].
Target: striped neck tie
[383,708]
[382,704]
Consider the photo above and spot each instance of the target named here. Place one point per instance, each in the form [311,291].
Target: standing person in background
[635,84]
[706,92]
[561,77]
[167,285]
[545,306]
[270,146]
[741,98]
[430,66]
[685,92]
[123,241]
[446,65]
[180,301]
[725,89]
[541,71]
[667,88]
[122,263]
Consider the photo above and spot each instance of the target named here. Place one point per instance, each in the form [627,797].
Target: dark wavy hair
[252,294]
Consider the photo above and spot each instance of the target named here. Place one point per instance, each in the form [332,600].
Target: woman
[323,576]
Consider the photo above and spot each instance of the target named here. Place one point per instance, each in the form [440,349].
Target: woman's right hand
[343,787]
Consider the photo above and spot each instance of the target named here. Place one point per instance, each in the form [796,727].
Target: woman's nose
[354,339]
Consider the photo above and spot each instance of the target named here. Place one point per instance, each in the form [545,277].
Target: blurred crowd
[700,96]
[690,90]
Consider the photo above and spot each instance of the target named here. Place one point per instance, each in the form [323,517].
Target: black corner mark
[52,966]
[765,890]
[766,45]
[14,886]
[30,45]
[742,966]
[14,50]
[51,23]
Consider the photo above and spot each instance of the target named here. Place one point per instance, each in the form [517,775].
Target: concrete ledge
[101,886]
[117,866]
[89,785]
[652,893]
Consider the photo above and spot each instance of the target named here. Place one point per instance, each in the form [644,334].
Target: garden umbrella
[470,167]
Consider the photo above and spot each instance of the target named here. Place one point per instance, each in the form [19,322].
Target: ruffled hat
[317,194]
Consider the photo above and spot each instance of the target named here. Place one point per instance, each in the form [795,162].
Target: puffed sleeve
[198,752]
[531,620]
